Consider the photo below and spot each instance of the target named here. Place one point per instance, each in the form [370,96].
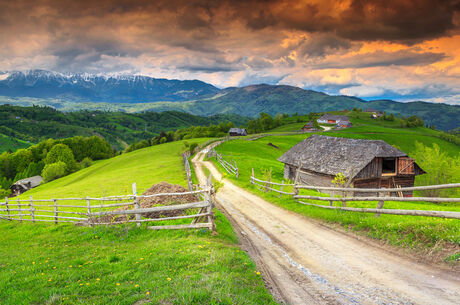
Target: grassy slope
[64,264]
[7,142]
[398,230]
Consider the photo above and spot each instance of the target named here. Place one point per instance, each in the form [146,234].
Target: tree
[61,153]
[54,170]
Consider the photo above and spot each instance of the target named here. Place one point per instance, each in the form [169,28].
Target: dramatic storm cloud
[401,49]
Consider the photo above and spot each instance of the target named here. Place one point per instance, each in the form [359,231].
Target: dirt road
[303,262]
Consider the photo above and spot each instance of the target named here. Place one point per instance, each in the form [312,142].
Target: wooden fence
[230,167]
[188,171]
[383,195]
[98,211]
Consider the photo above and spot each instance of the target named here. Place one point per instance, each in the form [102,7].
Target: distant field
[399,230]
[7,143]
[65,264]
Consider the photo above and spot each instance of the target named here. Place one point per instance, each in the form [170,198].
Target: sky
[397,49]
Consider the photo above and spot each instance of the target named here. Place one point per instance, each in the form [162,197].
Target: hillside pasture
[67,264]
[407,231]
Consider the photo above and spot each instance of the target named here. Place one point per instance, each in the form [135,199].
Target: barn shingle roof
[331,155]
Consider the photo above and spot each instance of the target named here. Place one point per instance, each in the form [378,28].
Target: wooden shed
[26,184]
[368,163]
[235,132]
[309,127]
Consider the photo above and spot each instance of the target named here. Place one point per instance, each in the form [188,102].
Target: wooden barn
[369,163]
[26,184]
[309,127]
[235,132]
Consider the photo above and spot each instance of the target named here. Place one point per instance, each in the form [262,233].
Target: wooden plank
[136,205]
[366,190]
[152,219]
[47,220]
[380,204]
[100,206]
[31,205]
[180,227]
[55,212]
[7,207]
[414,199]
[274,183]
[184,206]
[88,204]
[441,214]
[20,213]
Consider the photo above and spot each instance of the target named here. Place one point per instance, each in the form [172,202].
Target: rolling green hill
[118,128]
[66,264]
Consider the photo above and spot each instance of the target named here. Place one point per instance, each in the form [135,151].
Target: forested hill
[140,93]
[118,128]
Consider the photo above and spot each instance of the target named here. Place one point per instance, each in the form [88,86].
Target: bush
[86,162]
[192,147]
[440,169]
[4,193]
[54,170]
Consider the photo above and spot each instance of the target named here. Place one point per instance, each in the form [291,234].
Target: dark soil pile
[162,187]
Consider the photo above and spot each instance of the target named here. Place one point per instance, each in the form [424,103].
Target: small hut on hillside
[235,132]
[26,184]
[368,163]
[309,127]
[332,118]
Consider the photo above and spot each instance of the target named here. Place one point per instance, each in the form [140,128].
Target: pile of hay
[162,187]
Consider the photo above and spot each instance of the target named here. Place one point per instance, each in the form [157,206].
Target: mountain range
[141,93]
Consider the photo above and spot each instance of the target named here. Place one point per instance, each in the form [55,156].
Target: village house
[343,124]
[235,132]
[309,127]
[368,163]
[26,184]
[332,119]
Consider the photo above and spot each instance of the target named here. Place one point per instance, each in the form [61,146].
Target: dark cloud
[208,69]
[322,44]
[258,63]
[381,59]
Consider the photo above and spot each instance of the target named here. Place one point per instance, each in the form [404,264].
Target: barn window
[389,166]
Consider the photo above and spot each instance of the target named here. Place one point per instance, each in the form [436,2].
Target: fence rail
[230,167]
[91,214]
[383,195]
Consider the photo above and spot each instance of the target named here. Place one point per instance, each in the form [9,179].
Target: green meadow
[7,142]
[406,231]
[67,264]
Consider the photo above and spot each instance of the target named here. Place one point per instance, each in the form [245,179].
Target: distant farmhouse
[375,113]
[26,184]
[234,132]
[343,124]
[368,163]
[332,119]
[309,127]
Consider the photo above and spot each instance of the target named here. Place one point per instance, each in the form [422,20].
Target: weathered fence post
[380,203]
[296,181]
[55,212]
[237,172]
[136,204]
[331,202]
[252,176]
[281,188]
[31,206]
[90,217]
[7,207]
[19,210]
[208,199]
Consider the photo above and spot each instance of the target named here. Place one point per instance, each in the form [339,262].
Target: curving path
[303,262]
